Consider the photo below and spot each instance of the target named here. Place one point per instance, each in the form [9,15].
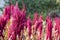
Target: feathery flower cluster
[20,25]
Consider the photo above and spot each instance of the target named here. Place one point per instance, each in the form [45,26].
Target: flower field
[14,25]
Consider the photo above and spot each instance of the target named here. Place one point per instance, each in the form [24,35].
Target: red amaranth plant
[57,25]
[29,25]
[15,19]
[22,20]
[1,27]
[7,13]
[35,22]
[40,26]
[39,29]
[18,22]
[4,19]
[40,21]
[49,28]
[35,17]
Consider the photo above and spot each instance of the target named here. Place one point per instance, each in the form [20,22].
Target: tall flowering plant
[35,17]
[22,20]
[1,27]
[29,24]
[13,27]
[4,19]
[40,28]
[18,21]
[49,28]
[35,22]
[17,24]
[57,27]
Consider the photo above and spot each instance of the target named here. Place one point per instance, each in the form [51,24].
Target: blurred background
[41,6]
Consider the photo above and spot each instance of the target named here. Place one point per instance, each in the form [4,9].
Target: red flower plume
[29,25]
[1,26]
[7,13]
[57,26]
[15,21]
[35,17]
[40,21]
[40,26]
[4,19]
[48,28]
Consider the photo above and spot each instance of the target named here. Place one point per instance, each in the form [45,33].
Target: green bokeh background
[44,6]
